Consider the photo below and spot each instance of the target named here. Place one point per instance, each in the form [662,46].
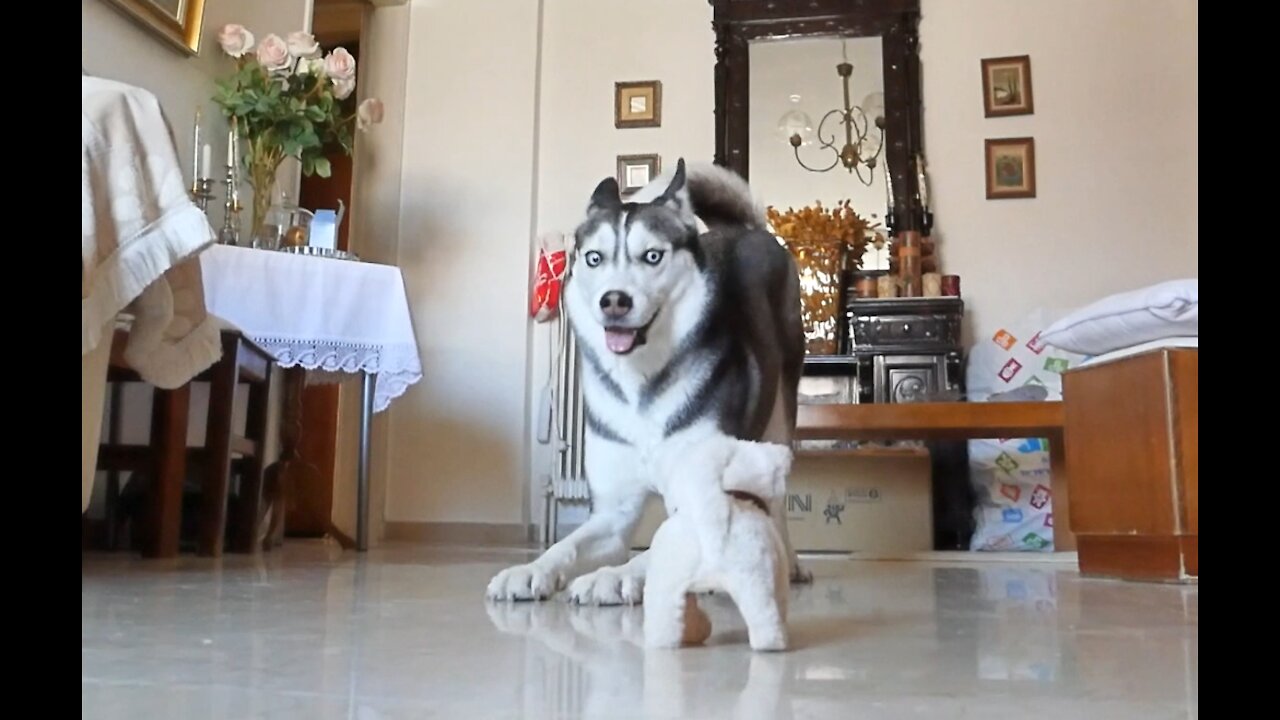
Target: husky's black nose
[615,304]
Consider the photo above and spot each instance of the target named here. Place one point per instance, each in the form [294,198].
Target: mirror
[761,49]
[770,50]
[816,126]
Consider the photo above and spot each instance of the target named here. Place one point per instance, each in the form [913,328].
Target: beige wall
[375,236]
[1115,126]
[458,438]
[587,46]
[501,139]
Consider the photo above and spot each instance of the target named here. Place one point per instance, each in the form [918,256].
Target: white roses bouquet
[287,100]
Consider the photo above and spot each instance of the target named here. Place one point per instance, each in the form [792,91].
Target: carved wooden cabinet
[906,349]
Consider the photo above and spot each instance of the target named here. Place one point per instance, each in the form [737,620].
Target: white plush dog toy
[718,536]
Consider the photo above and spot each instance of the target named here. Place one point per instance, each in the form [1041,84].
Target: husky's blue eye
[592,258]
[653,257]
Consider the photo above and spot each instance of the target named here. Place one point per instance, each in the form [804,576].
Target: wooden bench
[952,421]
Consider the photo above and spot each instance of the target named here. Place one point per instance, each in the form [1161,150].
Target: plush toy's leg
[761,604]
[673,562]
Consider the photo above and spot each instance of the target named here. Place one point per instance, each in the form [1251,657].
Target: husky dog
[681,334]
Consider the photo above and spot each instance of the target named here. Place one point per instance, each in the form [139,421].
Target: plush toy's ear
[760,469]
[606,196]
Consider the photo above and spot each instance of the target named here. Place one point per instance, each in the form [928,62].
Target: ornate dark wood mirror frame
[738,22]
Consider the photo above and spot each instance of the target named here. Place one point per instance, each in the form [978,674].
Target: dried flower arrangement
[824,241]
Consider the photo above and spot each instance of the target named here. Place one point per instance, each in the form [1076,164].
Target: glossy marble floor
[403,632]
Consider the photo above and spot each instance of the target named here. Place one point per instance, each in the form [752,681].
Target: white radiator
[568,424]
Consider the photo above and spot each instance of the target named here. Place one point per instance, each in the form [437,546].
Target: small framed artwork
[1011,168]
[1006,86]
[637,104]
[177,21]
[635,171]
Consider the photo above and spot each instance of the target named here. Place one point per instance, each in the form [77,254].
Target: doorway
[335,23]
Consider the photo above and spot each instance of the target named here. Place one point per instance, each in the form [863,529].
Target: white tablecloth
[329,316]
[140,233]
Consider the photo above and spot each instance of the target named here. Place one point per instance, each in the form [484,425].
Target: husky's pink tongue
[620,341]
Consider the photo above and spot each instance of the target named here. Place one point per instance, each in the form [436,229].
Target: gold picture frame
[635,171]
[1011,168]
[1006,86]
[179,22]
[637,104]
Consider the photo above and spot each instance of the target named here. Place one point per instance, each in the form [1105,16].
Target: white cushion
[1169,309]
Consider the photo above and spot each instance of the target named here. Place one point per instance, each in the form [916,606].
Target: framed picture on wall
[635,171]
[1006,86]
[176,21]
[1011,168]
[637,104]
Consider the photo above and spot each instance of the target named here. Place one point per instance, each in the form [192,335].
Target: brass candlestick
[202,193]
[230,232]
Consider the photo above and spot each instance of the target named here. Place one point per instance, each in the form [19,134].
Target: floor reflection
[888,640]
[404,632]
[593,664]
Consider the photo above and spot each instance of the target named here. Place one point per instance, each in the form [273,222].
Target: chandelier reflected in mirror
[863,130]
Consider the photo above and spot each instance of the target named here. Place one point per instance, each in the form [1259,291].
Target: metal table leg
[362,470]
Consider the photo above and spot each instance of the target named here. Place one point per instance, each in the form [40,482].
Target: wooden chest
[1133,455]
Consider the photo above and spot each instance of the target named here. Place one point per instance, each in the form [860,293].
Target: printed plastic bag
[548,275]
[1011,475]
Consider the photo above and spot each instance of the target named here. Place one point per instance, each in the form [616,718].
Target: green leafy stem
[286,114]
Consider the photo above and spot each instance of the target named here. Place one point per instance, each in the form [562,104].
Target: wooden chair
[166,455]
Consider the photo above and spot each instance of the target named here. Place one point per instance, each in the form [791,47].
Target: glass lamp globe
[873,106]
[795,122]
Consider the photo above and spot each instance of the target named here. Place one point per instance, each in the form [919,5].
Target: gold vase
[820,265]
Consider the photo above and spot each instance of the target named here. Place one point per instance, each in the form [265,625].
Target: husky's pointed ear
[605,197]
[676,196]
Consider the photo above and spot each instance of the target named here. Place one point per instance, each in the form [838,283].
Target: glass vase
[262,167]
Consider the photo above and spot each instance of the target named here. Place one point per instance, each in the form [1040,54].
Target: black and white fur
[681,334]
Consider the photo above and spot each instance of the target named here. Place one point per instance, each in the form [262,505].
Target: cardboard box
[844,501]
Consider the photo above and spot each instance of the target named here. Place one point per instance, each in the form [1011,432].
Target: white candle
[195,147]
[923,182]
[231,146]
[234,153]
[206,160]
[888,185]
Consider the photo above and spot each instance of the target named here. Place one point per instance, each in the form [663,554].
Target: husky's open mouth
[622,340]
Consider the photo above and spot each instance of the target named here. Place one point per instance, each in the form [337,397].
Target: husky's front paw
[607,586]
[523,582]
